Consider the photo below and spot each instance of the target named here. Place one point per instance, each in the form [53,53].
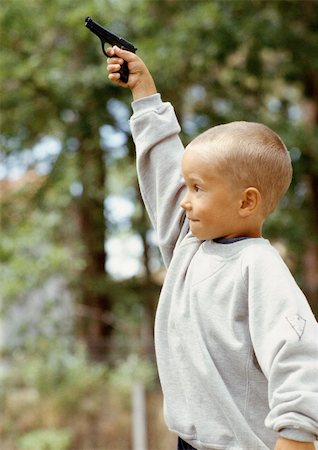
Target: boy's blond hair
[251,155]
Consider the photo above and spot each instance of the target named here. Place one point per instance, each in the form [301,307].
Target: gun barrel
[107,36]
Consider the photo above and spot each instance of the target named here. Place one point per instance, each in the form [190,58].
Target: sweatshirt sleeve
[159,150]
[284,335]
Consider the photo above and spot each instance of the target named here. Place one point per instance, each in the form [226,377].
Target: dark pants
[184,445]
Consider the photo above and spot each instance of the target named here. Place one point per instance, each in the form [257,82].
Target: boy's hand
[140,80]
[288,444]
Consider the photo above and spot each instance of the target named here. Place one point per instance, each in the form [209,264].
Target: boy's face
[211,203]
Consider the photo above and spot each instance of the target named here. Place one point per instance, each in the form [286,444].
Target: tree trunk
[95,304]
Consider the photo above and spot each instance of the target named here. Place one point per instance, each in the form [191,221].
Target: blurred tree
[216,61]
[53,83]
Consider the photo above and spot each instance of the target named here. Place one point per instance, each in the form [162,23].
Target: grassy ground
[64,402]
[98,422]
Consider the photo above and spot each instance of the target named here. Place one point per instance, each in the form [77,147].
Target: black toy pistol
[107,36]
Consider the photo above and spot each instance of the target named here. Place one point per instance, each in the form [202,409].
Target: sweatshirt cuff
[297,435]
[144,104]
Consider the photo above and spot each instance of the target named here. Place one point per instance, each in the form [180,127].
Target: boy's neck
[253,230]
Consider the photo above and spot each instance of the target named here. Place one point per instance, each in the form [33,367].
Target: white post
[139,424]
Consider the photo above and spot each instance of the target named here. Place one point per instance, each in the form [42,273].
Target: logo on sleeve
[297,323]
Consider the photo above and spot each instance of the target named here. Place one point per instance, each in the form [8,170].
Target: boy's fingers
[115,61]
[124,54]
[114,76]
[110,51]
[113,68]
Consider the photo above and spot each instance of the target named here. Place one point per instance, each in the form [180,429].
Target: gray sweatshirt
[236,341]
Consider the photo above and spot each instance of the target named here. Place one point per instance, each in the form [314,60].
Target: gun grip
[124,72]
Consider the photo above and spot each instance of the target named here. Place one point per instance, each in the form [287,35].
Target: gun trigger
[103,48]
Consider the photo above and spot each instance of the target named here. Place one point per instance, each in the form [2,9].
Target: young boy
[236,342]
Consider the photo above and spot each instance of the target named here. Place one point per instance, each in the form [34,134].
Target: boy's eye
[196,188]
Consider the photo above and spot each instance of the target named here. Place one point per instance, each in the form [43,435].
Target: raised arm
[155,131]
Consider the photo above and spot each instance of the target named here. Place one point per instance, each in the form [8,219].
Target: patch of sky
[295,113]
[222,106]
[119,210]
[155,261]
[295,153]
[48,146]
[193,124]
[40,158]
[45,153]
[197,93]
[16,164]
[274,105]
[121,112]
[126,252]
[69,116]
[114,140]
[124,247]
[76,189]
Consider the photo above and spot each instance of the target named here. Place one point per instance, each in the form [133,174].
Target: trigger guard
[103,48]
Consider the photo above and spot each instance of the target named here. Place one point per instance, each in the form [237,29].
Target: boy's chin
[202,236]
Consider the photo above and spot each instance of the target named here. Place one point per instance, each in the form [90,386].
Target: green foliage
[49,395]
[45,439]
[68,377]
[131,370]
[216,61]
[27,257]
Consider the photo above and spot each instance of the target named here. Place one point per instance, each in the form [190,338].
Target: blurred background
[80,273]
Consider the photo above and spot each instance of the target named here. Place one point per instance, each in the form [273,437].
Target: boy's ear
[250,201]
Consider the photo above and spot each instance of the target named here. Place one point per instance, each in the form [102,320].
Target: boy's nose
[185,203]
